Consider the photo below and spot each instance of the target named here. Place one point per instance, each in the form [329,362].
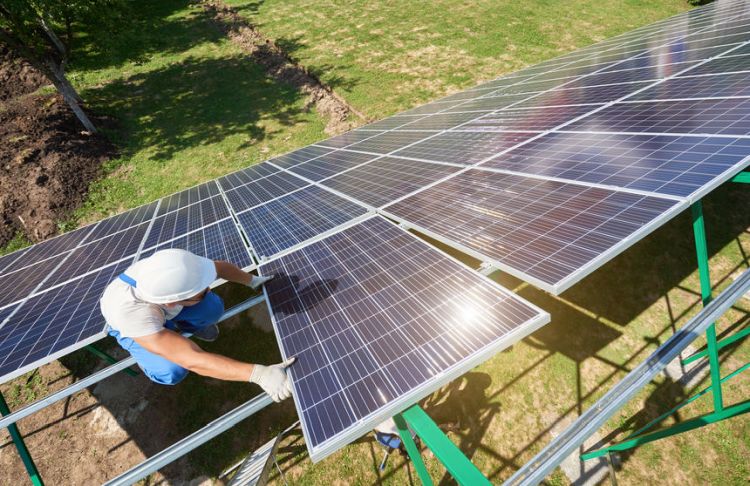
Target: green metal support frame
[720,412]
[106,357]
[15,435]
[457,464]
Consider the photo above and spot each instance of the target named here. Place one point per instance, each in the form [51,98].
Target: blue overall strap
[128,280]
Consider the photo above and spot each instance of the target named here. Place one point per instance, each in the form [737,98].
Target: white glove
[273,379]
[256,281]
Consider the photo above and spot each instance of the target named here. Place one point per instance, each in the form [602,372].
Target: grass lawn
[191,107]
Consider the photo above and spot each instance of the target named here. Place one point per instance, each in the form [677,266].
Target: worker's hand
[273,379]
[256,282]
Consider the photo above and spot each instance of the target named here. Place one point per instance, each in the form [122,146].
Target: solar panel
[548,233]
[299,156]
[330,164]
[488,103]
[671,165]
[709,117]
[442,121]
[389,141]
[219,241]
[18,284]
[580,96]
[263,190]
[390,123]
[676,53]
[122,221]
[92,256]
[532,119]
[377,320]
[187,219]
[348,138]
[54,323]
[247,175]
[723,65]
[712,86]
[464,148]
[290,220]
[434,107]
[188,196]
[46,249]
[384,180]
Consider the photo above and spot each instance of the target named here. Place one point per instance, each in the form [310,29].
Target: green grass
[190,106]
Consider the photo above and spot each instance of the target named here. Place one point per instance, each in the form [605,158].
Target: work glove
[256,281]
[273,379]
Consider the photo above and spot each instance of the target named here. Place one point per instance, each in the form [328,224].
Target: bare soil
[279,66]
[46,159]
[17,77]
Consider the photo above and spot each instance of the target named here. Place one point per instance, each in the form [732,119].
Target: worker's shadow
[288,297]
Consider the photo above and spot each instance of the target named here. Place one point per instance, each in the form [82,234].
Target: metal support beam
[701,248]
[743,177]
[106,357]
[105,373]
[719,346]
[15,435]
[534,471]
[194,440]
[412,450]
[457,464]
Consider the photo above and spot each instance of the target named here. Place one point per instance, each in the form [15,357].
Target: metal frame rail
[534,471]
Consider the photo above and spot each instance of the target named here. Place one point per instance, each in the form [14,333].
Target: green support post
[31,469]
[701,248]
[743,177]
[106,357]
[412,450]
[457,464]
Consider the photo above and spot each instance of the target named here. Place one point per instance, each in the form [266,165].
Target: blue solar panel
[386,179]
[671,165]
[442,121]
[714,117]
[263,190]
[293,219]
[378,319]
[219,241]
[187,219]
[348,138]
[46,249]
[122,221]
[546,232]
[19,284]
[247,175]
[298,156]
[331,164]
[188,196]
[53,323]
[531,119]
[389,141]
[464,147]
[580,96]
[714,86]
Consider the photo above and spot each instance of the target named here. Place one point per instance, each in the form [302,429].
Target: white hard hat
[171,275]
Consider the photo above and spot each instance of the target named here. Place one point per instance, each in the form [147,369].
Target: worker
[156,299]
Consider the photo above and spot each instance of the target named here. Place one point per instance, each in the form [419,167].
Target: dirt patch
[17,77]
[46,164]
[281,67]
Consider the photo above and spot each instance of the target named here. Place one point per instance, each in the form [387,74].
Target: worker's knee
[208,311]
[214,307]
[167,374]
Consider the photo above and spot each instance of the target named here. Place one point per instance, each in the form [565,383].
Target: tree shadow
[196,102]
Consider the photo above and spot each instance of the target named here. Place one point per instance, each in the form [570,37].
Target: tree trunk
[69,94]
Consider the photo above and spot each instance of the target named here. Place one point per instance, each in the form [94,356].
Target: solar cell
[377,320]
[430,108]
[331,164]
[386,179]
[740,51]
[713,117]
[464,148]
[470,94]
[532,119]
[389,141]
[188,196]
[54,323]
[348,138]
[390,122]
[247,175]
[535,85]
[671,165]
[675,54]
[548,233]
[187,219]
[488,103]
[290,220]
[579,96]
[219,241]
[263,190]
[92,256]
[299,156]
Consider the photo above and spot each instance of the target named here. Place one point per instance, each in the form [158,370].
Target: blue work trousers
[190,319]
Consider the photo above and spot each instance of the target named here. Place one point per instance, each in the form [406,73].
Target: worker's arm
[232,273]
[184,352]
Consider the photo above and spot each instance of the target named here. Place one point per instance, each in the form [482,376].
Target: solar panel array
[548,173]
